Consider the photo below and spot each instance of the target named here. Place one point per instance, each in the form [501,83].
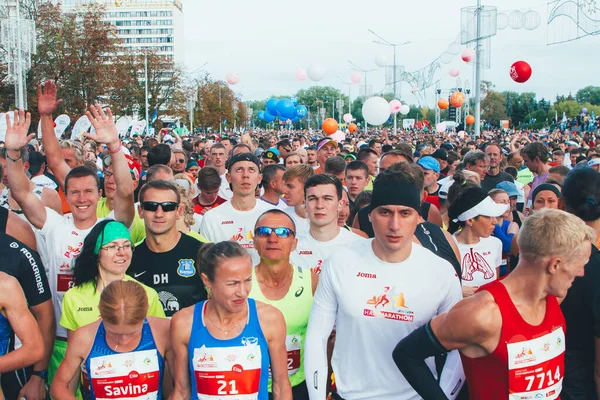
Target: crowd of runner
[287,265]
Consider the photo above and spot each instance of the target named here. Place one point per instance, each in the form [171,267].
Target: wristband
[42,374]
[115,151]
[14,159]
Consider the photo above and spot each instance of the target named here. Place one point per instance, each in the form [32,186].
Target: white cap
[487,207]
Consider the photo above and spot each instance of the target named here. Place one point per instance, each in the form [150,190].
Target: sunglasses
[167,206]
[281,232]
[180,160]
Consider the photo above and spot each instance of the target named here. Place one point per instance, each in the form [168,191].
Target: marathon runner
[16,317]
[294,179]
[24,264]
[235,219]
[62,236]
[581,307]
[377,292]
[166,259]
[104,258]
[323,195]
[218,159]
[288,288]
[122,355]
[225,346]
[511,333]
[473,220]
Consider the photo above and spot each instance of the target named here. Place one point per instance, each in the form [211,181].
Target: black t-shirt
[18,260]
[173,274]
[581,309]
[432,237]
[490,181]
[3,219]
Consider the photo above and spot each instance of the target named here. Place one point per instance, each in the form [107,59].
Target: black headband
[545,186]
[396,193]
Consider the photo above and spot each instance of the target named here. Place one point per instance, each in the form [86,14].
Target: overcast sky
[266,40]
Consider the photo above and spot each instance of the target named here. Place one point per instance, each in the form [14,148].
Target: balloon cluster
[284,109]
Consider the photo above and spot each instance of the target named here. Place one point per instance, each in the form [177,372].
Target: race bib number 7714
[536,367]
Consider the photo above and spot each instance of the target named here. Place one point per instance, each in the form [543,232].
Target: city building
[143,24]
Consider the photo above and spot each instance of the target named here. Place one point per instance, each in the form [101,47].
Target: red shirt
[201,210]
[529,360]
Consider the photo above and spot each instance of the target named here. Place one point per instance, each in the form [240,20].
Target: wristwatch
[42,374]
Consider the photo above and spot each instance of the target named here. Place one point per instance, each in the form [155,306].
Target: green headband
[114,230]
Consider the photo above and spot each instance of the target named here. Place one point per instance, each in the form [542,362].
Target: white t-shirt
[280,204]
[479,261]
[227,223]
[225,191]
[375,304]
[520,188]
[302,224]
[311,253]
[61,242]
[43,180]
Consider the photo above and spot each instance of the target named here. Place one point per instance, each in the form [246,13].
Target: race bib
[293,344]
[536,367]
[227,372]
[133,375]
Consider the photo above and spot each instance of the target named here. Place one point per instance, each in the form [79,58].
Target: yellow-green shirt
[197,236]
[137,230]
[370,185]
[80,305]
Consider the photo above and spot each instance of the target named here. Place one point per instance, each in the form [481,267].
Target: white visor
[487,207]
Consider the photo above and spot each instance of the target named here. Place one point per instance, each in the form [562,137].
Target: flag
[154,116]
[555,115]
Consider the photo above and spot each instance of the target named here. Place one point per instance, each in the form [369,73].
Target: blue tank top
[132,375]
[230,368]
[5,334]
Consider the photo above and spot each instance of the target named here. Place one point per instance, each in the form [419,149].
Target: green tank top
[295,307]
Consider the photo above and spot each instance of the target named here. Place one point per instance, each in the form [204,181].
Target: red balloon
[520,72]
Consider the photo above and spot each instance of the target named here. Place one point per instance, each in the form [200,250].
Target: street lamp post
[364,71]
[146,93]
[384,42]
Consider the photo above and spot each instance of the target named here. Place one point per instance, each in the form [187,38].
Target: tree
[215,104]
[493,107]
[589,94]
[317,97]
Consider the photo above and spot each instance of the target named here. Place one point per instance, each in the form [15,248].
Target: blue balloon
[295,119]
[271,106]
[294,100]
[261,115]
[301,111]
[286,109]
[268,117]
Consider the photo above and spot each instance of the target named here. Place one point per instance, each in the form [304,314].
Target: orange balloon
[470,120]
[457,99]
[330,126]
[443,103]
[352,127]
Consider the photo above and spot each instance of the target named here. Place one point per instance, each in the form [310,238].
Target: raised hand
[106,129]
[47,103]
[16,133]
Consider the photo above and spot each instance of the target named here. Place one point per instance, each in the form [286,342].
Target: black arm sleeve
[32,277]
[409,356]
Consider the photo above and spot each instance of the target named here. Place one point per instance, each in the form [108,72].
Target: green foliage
[589,94]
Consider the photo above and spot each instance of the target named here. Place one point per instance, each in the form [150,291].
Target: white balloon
[316,72]
[381,61]
[405,109]
[532,20]
[376,110]
[446,58]
[440,128]
[502,21]
[516,19]
[453,48]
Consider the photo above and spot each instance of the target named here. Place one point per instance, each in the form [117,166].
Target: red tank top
[528,362]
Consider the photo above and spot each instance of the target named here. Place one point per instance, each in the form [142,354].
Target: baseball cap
[36,159]
[168,138]
[134,167]
[270,154]
[440,154]
[594,161]
[324,141]
[244,157]
[508,187]
[429,162]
